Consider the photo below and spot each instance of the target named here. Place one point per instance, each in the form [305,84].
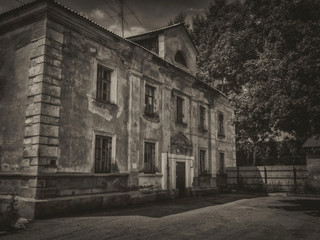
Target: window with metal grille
[221,162]
[150,44]
[202,117]
[221,123]
[103,148]
[180,110]
[103,84]
[149,157]
[202,161]
[149,99]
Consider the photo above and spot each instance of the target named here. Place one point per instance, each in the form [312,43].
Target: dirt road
[226,216]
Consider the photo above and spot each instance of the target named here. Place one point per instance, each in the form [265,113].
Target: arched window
[179,58]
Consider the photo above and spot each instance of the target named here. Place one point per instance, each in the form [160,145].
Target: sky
[152,14]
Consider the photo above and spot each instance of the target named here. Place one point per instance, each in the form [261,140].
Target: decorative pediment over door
[180,144]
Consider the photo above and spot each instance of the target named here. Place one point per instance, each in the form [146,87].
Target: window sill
[204,174]
[181,124]
[220,135]
[202,130]
[105,105]
[151,117]
[150,174]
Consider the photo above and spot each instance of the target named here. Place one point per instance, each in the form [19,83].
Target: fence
[267,178]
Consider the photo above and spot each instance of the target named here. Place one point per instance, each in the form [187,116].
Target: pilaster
[41,139]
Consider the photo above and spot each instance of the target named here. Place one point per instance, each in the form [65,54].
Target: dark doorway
[181,178]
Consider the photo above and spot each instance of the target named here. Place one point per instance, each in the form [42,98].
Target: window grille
[103,148]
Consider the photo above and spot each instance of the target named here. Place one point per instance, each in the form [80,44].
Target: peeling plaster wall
[81,114]
[15,51]
[177,39]
[72,52]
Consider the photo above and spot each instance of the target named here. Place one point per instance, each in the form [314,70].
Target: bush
[10,216]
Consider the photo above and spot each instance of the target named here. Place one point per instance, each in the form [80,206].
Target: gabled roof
[59,5]
[159,30]
[312,142]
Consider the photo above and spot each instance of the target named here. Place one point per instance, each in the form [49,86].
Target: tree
[180,18]
[264,55]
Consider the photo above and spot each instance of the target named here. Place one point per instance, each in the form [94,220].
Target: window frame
[150,108]
[180,109]
[151,169]
[202,118]
[221,130]
[100,91]
[202,161]
[103,168]
[221,162]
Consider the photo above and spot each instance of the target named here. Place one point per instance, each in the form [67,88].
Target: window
[221,123]
[179,58]
[103,84]
[180,110]
[149,100]
[202,161]
[150,44]
[103,148]
[221,162]
[202,117]
[149,157]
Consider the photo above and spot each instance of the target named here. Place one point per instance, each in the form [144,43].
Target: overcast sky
[153,14]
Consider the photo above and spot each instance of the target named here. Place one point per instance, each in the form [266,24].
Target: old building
[87,117]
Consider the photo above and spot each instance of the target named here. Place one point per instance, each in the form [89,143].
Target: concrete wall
[15,50]
[270,178]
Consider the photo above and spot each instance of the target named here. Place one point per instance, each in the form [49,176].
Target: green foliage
[265,55]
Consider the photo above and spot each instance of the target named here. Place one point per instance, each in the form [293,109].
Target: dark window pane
[149,99]
[221,162]
[102,154]
[103,84]
[202,160]
[149,157]
[202,117]
[179,110]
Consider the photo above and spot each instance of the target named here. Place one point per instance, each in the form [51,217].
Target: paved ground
[227,216]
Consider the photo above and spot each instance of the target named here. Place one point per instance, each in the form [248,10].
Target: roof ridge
[157,29]
[116,35]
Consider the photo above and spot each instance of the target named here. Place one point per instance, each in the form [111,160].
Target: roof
[155,31]
[30,4]
[312,142]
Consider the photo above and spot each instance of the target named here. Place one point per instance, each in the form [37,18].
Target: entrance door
[181,177]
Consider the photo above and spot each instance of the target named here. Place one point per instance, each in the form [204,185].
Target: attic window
[179,58]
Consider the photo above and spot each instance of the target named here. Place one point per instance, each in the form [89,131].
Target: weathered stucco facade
[50,114]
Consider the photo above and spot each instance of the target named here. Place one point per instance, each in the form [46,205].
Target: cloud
[133,30]
[97,14]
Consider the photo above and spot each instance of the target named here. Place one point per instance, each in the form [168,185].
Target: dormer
[173,44]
